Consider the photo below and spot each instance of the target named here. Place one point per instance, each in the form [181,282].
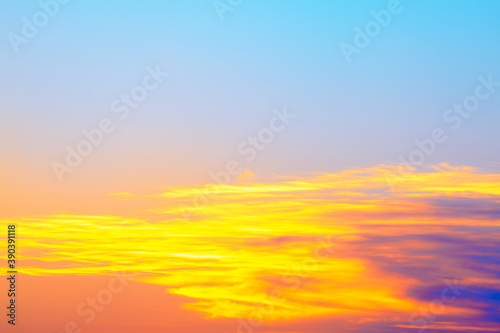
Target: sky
[372,125]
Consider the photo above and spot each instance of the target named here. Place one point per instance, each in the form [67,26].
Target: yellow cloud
[296,247]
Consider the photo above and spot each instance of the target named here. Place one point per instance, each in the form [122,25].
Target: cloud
[339,246]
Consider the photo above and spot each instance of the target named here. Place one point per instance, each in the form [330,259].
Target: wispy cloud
[391,251]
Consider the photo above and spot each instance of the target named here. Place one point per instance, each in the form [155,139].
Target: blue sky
[227,76]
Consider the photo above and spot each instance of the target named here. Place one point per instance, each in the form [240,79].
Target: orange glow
[298,247]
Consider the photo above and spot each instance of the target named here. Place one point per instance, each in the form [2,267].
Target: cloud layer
[333,248]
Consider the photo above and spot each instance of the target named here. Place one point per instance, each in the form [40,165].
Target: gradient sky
[225,79]
[227,76]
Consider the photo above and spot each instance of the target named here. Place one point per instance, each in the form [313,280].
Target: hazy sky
[225,78]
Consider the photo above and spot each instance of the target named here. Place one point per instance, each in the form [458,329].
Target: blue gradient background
[227,76]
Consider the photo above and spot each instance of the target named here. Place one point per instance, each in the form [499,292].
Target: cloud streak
[390,252]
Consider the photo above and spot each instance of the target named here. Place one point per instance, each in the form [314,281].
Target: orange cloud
[339,245]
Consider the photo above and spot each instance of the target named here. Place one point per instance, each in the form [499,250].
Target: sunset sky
[227,166]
